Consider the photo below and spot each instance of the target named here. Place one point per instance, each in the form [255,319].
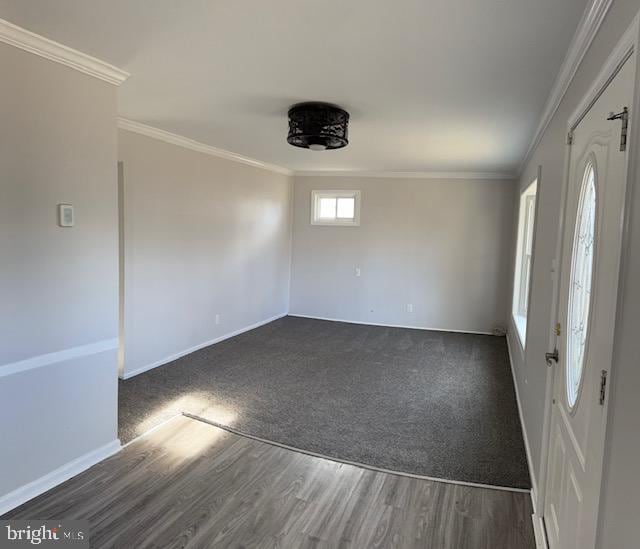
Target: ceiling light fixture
[318,126]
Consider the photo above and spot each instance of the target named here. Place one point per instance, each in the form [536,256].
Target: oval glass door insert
[580,285]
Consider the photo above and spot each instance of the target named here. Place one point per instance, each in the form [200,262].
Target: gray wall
[443,246]
[204,236]
[618,522]
[58,286]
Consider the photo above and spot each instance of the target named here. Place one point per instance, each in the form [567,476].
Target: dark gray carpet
[439,404]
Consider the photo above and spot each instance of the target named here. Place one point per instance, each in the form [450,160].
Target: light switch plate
[66,217]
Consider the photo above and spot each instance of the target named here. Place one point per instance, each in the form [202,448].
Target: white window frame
[524,260]
[315,207]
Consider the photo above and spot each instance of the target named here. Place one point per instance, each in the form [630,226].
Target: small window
[335,208]
[524,258]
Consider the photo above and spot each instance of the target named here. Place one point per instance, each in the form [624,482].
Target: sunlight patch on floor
[193,403]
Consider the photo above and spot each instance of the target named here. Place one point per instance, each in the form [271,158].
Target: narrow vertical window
[524,260]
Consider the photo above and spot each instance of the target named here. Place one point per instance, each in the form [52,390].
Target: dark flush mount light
[318,126]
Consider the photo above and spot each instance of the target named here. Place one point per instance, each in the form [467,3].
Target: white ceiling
[431,85]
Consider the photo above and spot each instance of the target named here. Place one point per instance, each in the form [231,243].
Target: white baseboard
[538,532]
[142,369]
[391,325]
[58,476]
[534,484]
[538,527]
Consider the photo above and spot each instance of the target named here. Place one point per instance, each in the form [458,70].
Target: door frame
[628,44]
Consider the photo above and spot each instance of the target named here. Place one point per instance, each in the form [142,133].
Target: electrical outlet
[217,319]
[357,271]
[409,307]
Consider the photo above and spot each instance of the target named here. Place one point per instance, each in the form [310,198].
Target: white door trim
[626,46]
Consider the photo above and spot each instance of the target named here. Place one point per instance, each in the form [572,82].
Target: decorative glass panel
[580,284]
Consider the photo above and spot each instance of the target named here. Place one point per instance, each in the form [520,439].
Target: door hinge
[624,117]
[550,358]
[570,138]
[558,329]
[603,386]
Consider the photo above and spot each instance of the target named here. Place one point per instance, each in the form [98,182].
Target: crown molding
[185,142]
[39,45]
[588,27]
[408,175]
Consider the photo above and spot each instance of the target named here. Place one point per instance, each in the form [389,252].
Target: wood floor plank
[190,484]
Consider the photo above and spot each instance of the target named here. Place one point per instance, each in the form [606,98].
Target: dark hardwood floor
[190,484]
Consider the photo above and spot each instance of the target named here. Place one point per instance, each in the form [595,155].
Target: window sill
[336,223]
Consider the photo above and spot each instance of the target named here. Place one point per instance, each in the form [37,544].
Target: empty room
[298,274]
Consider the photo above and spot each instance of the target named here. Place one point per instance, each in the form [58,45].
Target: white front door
[587,305]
